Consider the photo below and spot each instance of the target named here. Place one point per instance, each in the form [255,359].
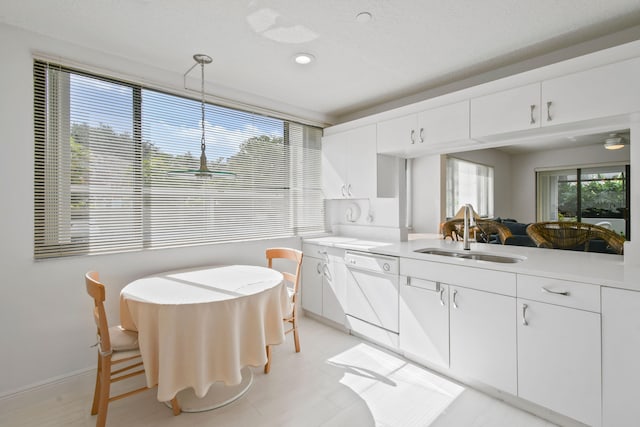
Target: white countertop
[587,267]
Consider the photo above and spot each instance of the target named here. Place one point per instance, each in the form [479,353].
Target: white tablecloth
[196,327]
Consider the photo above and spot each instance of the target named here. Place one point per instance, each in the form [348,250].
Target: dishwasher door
[372,289]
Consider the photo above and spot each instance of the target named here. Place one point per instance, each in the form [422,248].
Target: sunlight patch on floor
[396,392]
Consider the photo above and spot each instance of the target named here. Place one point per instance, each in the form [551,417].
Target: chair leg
[175,406]
[105,385]
[96,393]
[296,338]
[267,366]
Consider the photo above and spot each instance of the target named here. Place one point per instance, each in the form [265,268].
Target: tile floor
[337,380]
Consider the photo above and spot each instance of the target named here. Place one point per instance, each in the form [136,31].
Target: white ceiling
[409,46]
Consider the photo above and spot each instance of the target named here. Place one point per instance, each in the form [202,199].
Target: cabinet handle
[533,119]
[442,296]
[453,299]
[421,135]
[349,190]
[549,291]
[524,315]
[342,190]
[549,118]
[318,268]
[413,136]
[320,252]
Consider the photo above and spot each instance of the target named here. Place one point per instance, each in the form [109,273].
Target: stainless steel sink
[479,256]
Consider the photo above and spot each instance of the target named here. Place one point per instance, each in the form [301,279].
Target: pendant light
[614,142]
[203,171]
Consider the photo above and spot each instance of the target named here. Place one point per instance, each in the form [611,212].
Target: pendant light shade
[203,171]
[614,142]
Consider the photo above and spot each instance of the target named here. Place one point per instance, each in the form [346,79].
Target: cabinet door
[362,165]
[424,320]
[620,357]
[483,337]
[507,111]
[605,91]
[559,359]
[445,124]
[334,289]
[396,136]
[311,284]
[334,165]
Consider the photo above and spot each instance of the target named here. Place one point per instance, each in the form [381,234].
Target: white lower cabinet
[559,361]
[620,357]
[483,337]
[311,284]
[424,320]
[323,282]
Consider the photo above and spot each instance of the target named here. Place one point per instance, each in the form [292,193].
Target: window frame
[53,187]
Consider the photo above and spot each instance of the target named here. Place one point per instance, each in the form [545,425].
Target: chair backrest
[96,290]
[488,227]
[292,255]
[568,235]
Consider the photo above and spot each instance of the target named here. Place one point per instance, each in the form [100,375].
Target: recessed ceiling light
[363,17]
[303,58]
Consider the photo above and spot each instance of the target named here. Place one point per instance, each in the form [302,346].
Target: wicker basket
[570,235]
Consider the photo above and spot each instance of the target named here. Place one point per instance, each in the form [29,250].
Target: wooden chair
[569,235]
[292,281]
[117,348]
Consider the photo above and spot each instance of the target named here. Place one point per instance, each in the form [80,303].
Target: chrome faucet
[468,221]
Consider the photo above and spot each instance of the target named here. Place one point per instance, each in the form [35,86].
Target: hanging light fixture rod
[203,170]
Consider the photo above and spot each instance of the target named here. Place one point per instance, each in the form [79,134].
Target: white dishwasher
[373,296]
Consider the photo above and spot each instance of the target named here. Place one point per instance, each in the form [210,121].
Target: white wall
[45,314]
[428,194]
[429,174]
[524,172]
[502,189]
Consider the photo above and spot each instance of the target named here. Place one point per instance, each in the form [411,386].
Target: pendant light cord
[202,140]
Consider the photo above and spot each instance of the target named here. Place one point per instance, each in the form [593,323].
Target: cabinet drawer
[499,282]
[560,292]
[320,251]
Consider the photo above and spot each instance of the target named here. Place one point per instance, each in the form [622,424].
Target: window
[596,195]
[108,163]
[469,182]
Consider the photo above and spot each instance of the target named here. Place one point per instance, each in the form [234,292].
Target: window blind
[112,162]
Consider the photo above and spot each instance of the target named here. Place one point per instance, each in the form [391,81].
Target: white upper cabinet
[601,92]
[604,91]
[349,164]
[507,111]
[416,134]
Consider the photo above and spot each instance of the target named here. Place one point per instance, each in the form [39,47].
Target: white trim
[60,379]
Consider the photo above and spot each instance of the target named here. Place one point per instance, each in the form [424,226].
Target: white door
[373,298]
[334,166]
[483,337]
[620,357]
[507,111]
[605,91]
[445,124]
[424,320]
[311,284]
[362,162]
[334,289]
[396,136]
[559,359]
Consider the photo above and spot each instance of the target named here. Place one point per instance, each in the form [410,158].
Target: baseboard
[47,383]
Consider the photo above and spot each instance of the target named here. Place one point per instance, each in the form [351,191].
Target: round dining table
[200,329]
